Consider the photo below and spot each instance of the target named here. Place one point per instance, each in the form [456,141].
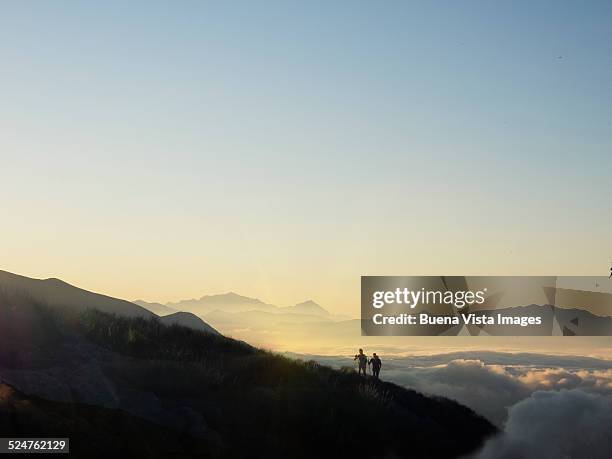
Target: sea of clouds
[547,406]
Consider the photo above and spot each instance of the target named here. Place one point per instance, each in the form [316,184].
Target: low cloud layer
[470,382]
[548,406]
[599,381]
[491,383]
[555,424]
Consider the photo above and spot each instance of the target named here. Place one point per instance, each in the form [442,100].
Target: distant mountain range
[228,302]
[232,303]
[261,323]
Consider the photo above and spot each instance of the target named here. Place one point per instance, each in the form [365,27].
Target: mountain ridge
[56,292]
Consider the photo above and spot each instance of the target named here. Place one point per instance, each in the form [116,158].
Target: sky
[167,150]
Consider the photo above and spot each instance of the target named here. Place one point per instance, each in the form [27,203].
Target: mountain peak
[310,307]
[308,303]
[237,296]
[187,319]
[54,281]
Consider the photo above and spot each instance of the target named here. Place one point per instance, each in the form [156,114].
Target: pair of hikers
[362,360]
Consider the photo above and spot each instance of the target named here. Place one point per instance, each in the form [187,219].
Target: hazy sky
[284,149]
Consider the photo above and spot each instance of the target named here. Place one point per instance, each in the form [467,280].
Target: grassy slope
[257,404]
[93,431]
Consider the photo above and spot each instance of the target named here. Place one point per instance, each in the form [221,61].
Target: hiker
[376,364]
[362,360]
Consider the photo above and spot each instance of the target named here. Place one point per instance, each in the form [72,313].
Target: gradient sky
[282,150]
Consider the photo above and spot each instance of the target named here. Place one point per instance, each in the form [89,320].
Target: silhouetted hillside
[237,400]
[187,319]
[228,398]
[55,292]
[93,431]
